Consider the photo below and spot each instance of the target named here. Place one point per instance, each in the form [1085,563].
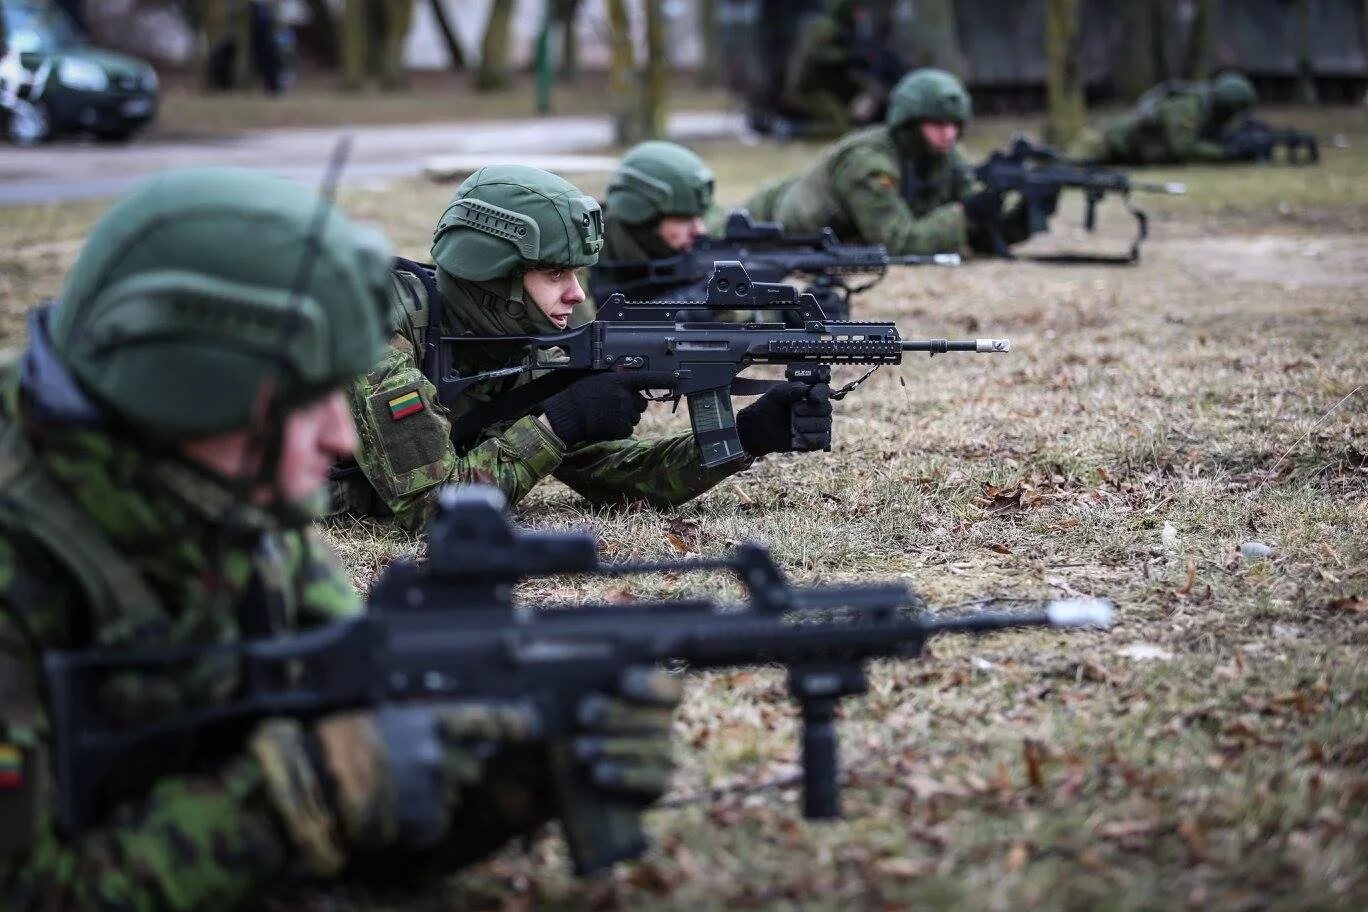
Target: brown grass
[1043,770]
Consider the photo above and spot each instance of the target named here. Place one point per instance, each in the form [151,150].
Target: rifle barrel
[925,259]
[1079,612]
[941,346]
[1173,188]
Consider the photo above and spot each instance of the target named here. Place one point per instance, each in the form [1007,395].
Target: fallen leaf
[999,548]
[1191,578]
[1354,604]
[1032,755]
[1017,857]
[677,543]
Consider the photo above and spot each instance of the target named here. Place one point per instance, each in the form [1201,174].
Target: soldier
[655,208]
[164,443]
[903,184]
[1173,122]
[506,251]
[837,65]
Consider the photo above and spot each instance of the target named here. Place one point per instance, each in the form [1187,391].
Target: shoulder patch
[405,405]
[886,180]
[11,767]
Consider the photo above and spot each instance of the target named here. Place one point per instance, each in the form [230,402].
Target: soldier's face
[556,291]
[679,231]
[314,437]
[940,135]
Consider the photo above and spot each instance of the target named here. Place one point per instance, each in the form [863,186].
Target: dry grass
[1148,422]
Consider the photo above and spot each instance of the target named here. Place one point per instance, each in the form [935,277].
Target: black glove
[793,417]
[600,407]
[982,207]
[624,742]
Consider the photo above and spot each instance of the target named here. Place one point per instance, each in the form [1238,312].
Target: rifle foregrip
[598,832]
[714,427]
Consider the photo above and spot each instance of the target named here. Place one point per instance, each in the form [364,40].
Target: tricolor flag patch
[400,407]
[11,767]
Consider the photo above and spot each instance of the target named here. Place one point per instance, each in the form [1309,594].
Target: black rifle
[698,361]
[448,630]
[1038,173]
[1254,140]
[769,254]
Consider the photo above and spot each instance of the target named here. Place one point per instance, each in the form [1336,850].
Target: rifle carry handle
[714,427]
[599,832]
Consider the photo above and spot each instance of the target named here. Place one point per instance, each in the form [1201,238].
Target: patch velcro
[11,767]
[400,407]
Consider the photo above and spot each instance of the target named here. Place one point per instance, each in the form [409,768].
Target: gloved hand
[605,406]
[383,778]
[793,417]
[982,207]
[625,737]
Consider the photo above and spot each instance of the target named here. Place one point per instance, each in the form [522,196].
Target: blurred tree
[227,44]
[1064,72]
[934,39]
[1306,67]
[709,74]
[1137,64]
[566,13]
[319,35]
[1202,40]
[627,128]
[657,71]
[453,44]
[493,69]
[373,33]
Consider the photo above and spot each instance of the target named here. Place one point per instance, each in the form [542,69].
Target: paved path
[72,171]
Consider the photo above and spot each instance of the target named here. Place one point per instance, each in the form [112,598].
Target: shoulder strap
[123,607]
[427,316]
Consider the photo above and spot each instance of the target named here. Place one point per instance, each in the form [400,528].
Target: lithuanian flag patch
[400,407]
[11,767]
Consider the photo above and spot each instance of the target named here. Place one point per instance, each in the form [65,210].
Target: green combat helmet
[658,179]
[507,219]
[191,297]
[1231,93]
[928,94]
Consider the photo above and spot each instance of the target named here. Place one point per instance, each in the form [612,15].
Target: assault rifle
[698,361]
[1254,140]
[1038,173]
[769,254]
[448,630]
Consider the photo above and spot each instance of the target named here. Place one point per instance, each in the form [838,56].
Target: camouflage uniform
[183,319]
[407,452]
[883,185]
[1172,123]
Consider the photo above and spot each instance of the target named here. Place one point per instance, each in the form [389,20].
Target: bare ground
[1209,752]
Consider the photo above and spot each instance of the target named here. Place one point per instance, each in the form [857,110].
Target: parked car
[52,81]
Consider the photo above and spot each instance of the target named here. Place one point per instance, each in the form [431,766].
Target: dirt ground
[1150,424]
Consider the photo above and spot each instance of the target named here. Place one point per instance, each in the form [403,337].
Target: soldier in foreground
[1174,123]
[506,251]
[164,444]
[903,184]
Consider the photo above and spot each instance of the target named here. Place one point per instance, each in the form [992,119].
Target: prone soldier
[903,183]
[506,250]
[1174,122]
[165,439]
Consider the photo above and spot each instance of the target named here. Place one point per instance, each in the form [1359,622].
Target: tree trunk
[319,36]
[709,74]
[355,40]
[493,71]
[1202,41]
[567,13]
[1064,72]
[453,45]
[934,40]
[657,71]
[622,77]
[398,16]
[1306,66]
[1135,63]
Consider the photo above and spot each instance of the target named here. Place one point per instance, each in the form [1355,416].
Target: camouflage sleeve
[1181,119]
[326,594]
[207,842]
[406,449]
[871,190]
[663,472]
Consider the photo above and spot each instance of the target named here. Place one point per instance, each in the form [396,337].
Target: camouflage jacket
[862,187]
[406,449]
[1169,125]
[102,545]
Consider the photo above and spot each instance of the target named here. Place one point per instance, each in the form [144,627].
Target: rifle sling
[518,402]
